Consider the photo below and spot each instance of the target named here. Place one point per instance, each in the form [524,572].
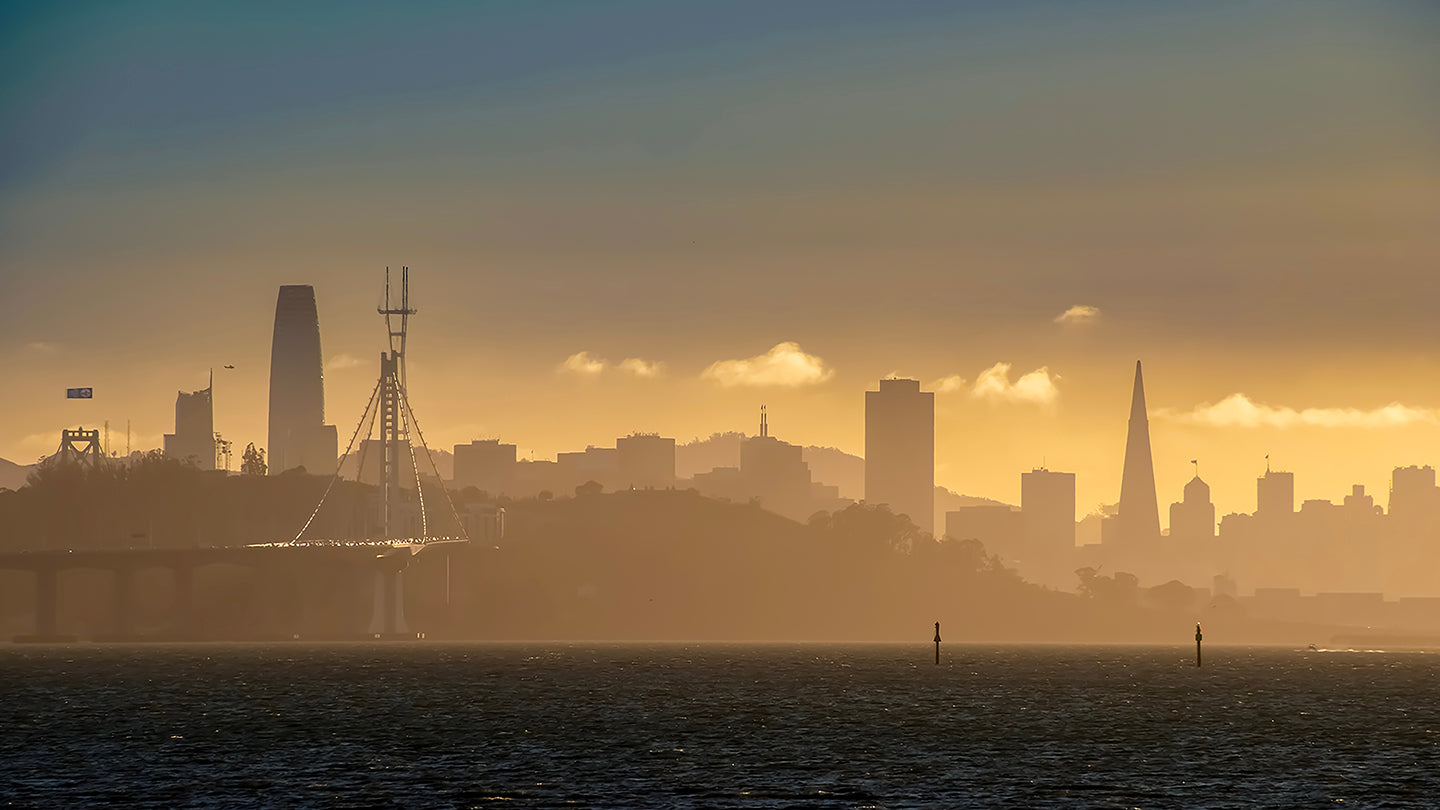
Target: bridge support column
[47,595]
[124,602]
[182,618]
[387,616]
[47,607]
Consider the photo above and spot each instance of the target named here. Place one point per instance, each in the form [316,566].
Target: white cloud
[1238,410]
[1037,387]
[949,385]
[583,364]
[343,361]
[1079,314]
[784,365]
[641,368]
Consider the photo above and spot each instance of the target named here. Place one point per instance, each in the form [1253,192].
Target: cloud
[583,364]
[1079,314]
[785,365]
[41,347]
[1037,387]
[1238,410]
[343,361]
[641,368]
[949,385]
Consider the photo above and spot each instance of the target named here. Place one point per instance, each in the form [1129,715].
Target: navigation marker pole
[1198,637]
[937,643]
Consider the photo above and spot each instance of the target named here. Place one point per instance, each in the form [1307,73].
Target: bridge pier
[124,602]
[182,619]
[387,616]
[47,607]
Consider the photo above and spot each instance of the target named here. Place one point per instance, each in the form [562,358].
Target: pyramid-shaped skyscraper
[1138,522]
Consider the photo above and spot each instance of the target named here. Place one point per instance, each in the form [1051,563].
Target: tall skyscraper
[1047,515]
[299,436]
[900,450]
[1138,522]
[194,438]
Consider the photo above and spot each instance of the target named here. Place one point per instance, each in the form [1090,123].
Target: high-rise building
[1275,494]
[1193,518]
[299,436]
[900,450]
[997,526]
[647,461]
[1413,495]
[776,473]
[1047,516]
[194,438]
[485,464]
[1137,524]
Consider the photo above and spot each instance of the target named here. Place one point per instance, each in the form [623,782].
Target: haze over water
[669,725]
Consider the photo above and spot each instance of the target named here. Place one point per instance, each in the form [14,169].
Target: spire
[764,428]
[1137,401]
[1139,517]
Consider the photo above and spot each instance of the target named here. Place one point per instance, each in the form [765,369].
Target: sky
[661,215]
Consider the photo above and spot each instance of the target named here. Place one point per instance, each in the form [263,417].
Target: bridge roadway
[387,558]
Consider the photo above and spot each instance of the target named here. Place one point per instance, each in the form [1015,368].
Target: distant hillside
[828,465]
[12,475]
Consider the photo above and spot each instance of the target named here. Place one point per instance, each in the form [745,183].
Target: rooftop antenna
[1267,463]
[764,427]
[1196,462]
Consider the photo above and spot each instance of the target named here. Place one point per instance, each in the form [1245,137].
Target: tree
[252,461]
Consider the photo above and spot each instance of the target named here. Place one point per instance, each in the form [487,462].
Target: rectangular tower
[900,450]
[1047,509]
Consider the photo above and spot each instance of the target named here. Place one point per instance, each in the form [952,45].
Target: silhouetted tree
[252,461]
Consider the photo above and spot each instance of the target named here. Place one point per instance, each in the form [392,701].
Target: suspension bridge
[385,557]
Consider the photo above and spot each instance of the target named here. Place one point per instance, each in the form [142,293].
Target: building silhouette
[1413,495]
[1192,520]
[998,526]
[298,436]
[1047,517]
[485,464]
[194,438]
[1275,495]
[900,450]
[1137,523]
[647,461]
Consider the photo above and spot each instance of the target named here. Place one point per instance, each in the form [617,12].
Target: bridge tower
[393,426]
[80,447]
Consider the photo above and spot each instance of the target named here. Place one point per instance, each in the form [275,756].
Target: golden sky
[601,205]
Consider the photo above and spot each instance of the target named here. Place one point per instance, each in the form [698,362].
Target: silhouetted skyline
[707,208]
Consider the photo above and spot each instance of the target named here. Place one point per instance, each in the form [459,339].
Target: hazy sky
[1244,195]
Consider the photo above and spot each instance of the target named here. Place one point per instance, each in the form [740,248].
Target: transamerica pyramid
[1138,523]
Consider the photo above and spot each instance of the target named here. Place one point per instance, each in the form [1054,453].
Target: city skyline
[1011,214]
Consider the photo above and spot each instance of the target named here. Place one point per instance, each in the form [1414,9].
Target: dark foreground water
[421,725]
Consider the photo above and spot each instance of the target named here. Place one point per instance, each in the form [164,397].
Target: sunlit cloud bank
[1035,388]
[1079,314]
[343,361]
[785,365]
[949,385]
[584,364]
[1238,410]
[641,368]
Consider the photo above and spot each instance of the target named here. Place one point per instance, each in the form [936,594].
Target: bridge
[387,559]
[388,409]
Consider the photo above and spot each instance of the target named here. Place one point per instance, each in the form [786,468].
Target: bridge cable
[341,463]
[405,400]
[415,467]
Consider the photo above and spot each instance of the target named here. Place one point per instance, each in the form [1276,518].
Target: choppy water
[427,724]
